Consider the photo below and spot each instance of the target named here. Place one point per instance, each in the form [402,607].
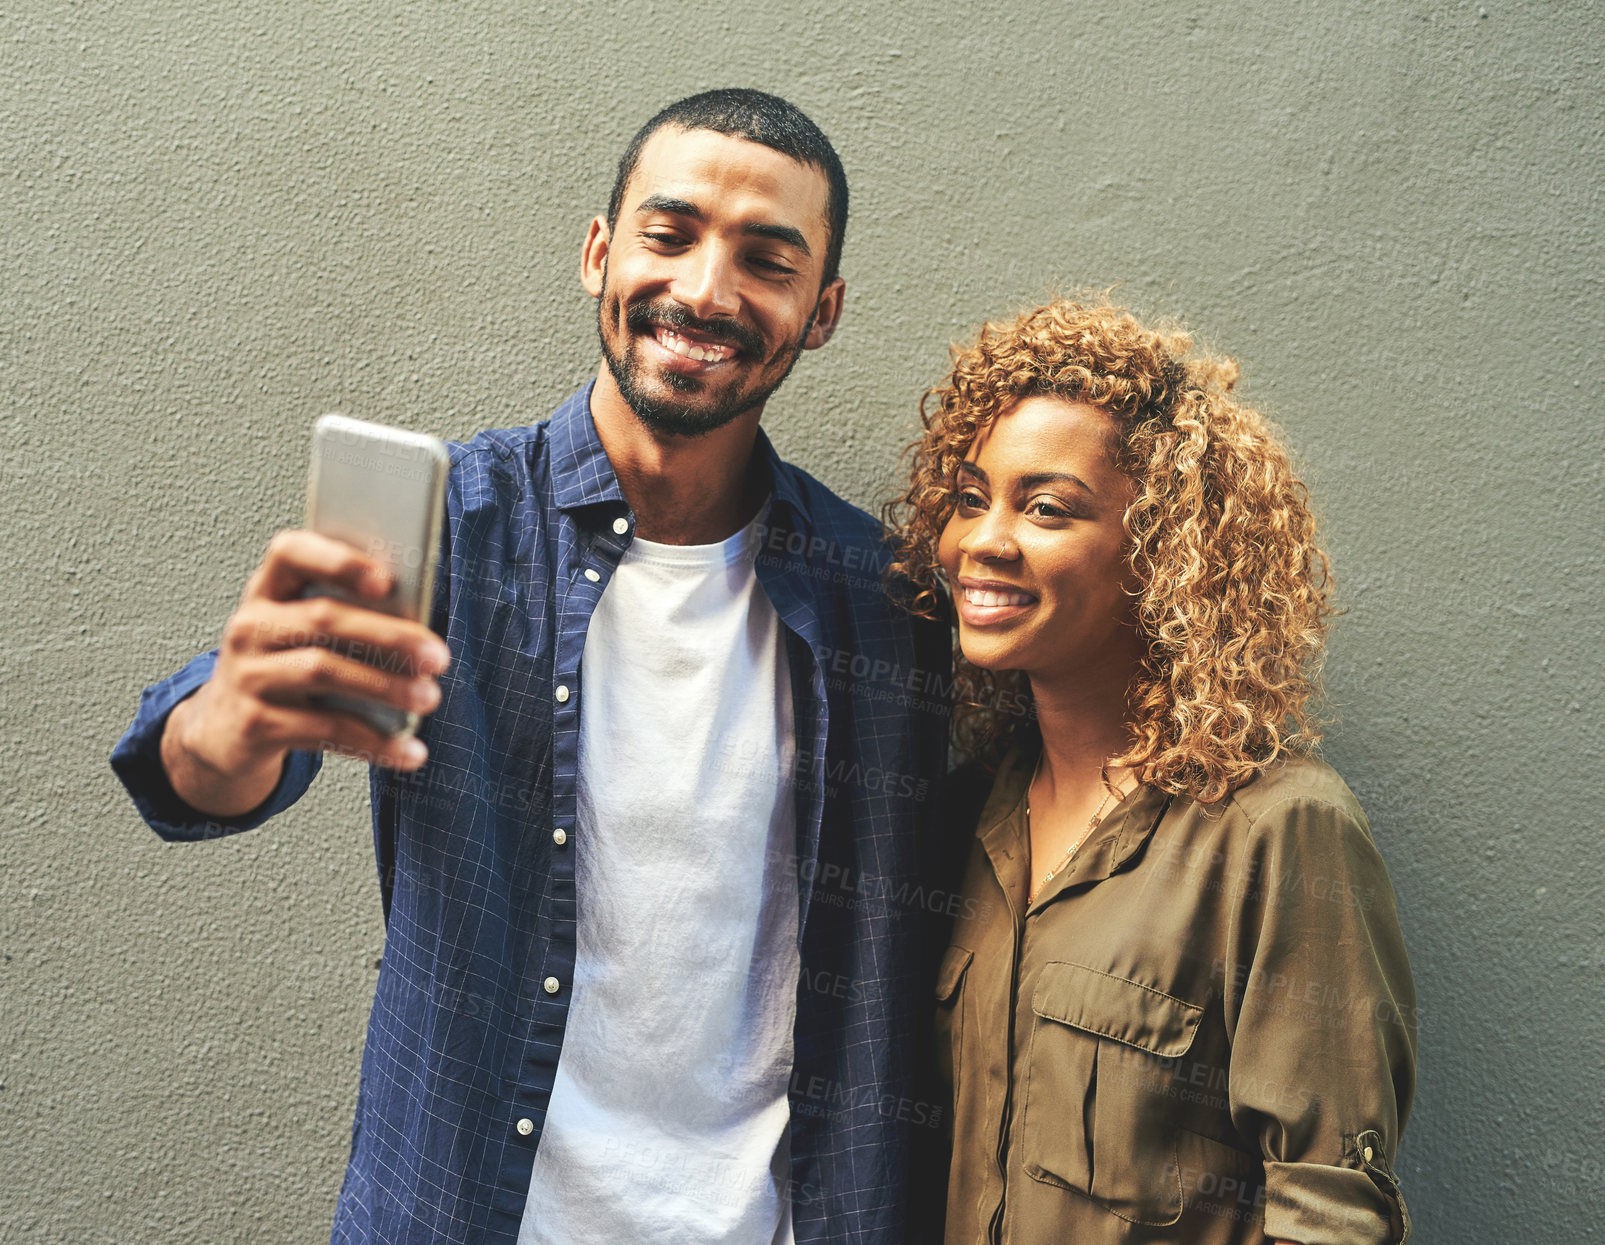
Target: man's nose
[707,285]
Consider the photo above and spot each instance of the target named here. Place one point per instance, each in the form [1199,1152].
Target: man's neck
[683,490]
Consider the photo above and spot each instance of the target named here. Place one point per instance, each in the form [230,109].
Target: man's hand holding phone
[224,747]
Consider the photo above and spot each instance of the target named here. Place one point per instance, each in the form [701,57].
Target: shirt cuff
[137,761]
[1319,1204]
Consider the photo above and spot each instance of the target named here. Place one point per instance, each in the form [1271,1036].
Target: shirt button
[591,575]
[562,694]
[560,836]
[552,985]
[526,1127]
[621,526]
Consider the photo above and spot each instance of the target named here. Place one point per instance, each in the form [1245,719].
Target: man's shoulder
[498,465]
[848,552]
[499,444]
[827,511]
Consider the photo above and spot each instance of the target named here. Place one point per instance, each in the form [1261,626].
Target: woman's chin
[995,657]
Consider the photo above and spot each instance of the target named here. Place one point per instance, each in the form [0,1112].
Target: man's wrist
[200,783]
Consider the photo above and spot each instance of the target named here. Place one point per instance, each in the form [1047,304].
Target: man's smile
[687,347]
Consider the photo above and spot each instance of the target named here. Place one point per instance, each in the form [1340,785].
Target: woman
[1177,1006]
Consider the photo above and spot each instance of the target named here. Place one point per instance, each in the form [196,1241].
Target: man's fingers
[290,676]
[397,645]
[328,731]
[281,650]
[296,557]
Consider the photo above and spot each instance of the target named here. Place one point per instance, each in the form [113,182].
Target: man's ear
[827,313]
[593,256]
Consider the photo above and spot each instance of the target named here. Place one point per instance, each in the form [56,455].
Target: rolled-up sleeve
[1321,1013]
[137,760]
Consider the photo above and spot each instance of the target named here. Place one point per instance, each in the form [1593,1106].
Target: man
[607,1010]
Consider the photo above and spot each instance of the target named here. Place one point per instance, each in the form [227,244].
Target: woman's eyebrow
[1039,478]
[1035,480]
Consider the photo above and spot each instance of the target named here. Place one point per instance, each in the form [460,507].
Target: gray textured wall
[224,220]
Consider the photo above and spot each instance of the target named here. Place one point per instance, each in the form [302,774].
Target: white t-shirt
[669,1120]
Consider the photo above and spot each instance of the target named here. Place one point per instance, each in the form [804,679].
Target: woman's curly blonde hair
[1234,593]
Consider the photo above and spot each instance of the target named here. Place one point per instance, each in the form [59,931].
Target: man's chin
[680,420]
[674,403]
[684,412]
[677,405]
[684,386]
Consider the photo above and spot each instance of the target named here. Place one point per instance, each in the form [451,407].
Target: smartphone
[382,490]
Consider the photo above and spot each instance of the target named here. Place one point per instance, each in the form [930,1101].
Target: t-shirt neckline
[741,546]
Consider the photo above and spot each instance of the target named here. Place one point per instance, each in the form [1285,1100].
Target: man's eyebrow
[684,207]
[675,207]
[780,233]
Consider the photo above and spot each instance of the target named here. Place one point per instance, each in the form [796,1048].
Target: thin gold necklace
[1092,825]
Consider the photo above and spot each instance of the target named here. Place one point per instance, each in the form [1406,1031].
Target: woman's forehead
[1042,427]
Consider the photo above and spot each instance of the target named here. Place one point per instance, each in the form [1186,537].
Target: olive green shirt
[1202,1031]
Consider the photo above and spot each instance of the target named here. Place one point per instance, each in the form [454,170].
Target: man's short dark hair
[759,118]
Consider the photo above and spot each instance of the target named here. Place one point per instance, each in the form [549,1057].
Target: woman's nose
[990,539]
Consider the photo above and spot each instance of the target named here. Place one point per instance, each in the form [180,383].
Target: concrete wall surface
[222,220]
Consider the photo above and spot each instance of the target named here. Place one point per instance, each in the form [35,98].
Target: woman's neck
[1084,719]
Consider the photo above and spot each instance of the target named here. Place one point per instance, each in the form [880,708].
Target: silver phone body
[382,490]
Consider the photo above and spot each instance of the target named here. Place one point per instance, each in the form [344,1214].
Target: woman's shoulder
[1301,782]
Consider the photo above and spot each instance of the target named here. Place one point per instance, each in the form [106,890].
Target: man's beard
[665,415]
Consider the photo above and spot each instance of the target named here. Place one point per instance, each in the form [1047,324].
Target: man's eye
[664,239]
[769,265]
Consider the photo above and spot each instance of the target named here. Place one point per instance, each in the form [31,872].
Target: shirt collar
[783,479]
[1119,836]
[583,475]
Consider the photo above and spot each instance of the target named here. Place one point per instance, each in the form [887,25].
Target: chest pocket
[1098,1112]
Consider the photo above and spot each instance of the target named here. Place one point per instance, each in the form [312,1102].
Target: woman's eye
[1048,509]
[969,499]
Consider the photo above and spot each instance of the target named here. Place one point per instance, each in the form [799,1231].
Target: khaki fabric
[1202,1031]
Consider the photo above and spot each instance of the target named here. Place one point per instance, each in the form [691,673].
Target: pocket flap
[1114,1008]
[954,962]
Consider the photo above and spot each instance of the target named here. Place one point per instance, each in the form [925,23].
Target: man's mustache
[666,313]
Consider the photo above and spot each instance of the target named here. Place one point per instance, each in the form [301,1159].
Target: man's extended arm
[237,737]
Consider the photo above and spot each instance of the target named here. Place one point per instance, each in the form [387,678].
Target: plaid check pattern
[479,897]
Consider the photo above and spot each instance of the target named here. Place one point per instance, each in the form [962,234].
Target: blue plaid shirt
[479,897]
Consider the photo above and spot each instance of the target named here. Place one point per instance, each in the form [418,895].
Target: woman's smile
[984,602]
